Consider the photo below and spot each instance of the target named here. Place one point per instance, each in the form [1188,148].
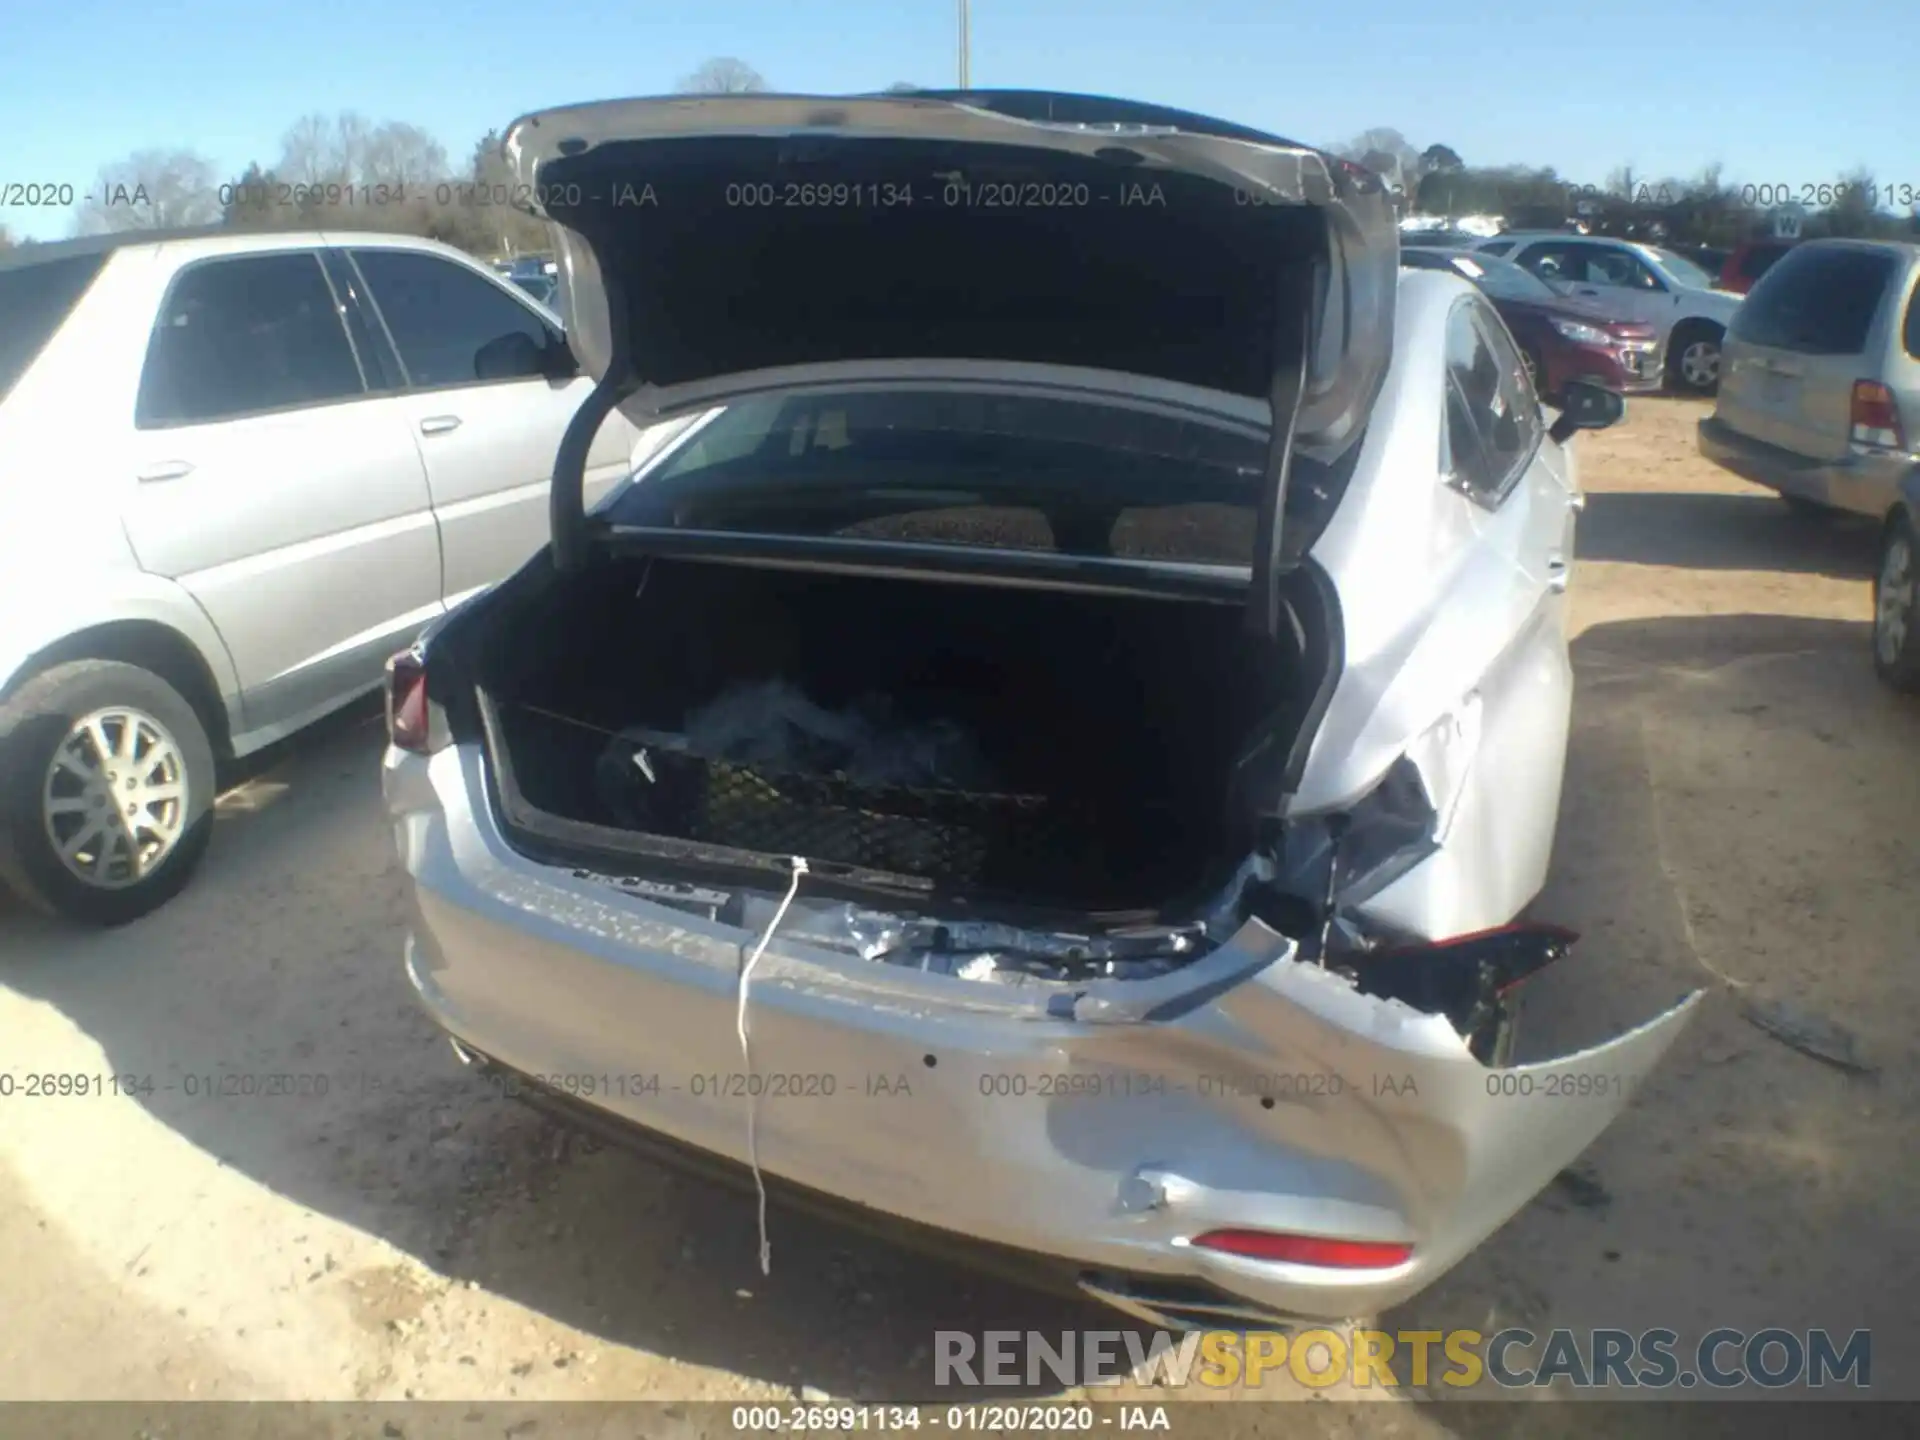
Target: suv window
[1608,266]
[1495,247]
[35,300]
[1493,417]
[1910,330]
[243,335]
[1553,260]
[1818,300]
[442,315]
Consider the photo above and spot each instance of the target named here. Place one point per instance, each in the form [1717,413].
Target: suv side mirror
[512,356]
[561,362]
[1586,406]
[516,355]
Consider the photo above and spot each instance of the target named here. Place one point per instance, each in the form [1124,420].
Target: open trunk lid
[714,246]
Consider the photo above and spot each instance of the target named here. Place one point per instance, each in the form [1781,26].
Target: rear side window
[1910,330]
[246,335]
[1816,300]
[35,301]
[1493,417]
[1497,247]
[1606,266]
[1556,261]
[442,315]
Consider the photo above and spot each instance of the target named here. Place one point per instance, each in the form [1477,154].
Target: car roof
[1906,248]
[1566,235]
[210,240]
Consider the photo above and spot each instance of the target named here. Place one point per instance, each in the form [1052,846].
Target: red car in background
[1750,260]
[1560,339]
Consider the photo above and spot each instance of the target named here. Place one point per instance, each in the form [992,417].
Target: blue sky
[1779,91]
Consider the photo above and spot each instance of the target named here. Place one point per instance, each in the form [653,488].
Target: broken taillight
[409,715]
[1306,1249]
[1876,417]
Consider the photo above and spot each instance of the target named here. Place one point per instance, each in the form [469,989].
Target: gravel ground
[1739,814]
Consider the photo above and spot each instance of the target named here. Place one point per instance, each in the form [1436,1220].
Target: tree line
[345,171]
[1706,209]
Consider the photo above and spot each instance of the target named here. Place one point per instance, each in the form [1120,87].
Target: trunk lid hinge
[1292,344]
[567,493]
[567,499]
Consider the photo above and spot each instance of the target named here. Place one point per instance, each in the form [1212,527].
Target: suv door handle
[439,424]
[1558,573]
[165,470]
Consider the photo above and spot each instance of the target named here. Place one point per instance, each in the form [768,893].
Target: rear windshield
[977,468]
[35,299]
[1817,300]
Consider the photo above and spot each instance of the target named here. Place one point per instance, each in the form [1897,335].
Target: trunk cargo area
[1055,749]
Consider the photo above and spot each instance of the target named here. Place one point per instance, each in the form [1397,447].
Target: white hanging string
[746,1060]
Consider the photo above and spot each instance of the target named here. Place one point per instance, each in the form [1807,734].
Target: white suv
[236,472]
[1634,281]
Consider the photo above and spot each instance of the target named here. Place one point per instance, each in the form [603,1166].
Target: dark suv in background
[1749,261]
[1819,389]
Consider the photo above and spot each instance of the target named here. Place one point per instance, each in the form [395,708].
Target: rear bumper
[1246,1090]
[1863,484]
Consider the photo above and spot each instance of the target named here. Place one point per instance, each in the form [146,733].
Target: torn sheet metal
[978,949]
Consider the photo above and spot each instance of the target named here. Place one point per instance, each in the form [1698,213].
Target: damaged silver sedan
[1054,753]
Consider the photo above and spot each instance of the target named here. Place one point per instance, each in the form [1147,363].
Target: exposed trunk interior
[1059,750]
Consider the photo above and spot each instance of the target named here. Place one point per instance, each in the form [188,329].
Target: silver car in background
[1822,383]
[1056,756]
[236,471]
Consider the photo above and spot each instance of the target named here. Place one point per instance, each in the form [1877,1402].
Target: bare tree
[1386,152]
[310,152]
[152,190]
[397,153]
[1437,190]
[723,75]
[349,149]
[1853,212]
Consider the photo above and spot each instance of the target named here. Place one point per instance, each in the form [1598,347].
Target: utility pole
[965,41]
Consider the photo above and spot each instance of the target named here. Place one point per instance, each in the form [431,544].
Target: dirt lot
[1742,812]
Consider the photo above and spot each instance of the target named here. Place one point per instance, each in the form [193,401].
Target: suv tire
[106,791]
[1693,358]
[1896,615]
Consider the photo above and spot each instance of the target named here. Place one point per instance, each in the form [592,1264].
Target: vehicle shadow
[283,959]
[1718,531]
[1731,821]
[1700,837]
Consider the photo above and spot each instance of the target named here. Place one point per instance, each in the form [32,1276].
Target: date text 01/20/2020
[988,1418]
